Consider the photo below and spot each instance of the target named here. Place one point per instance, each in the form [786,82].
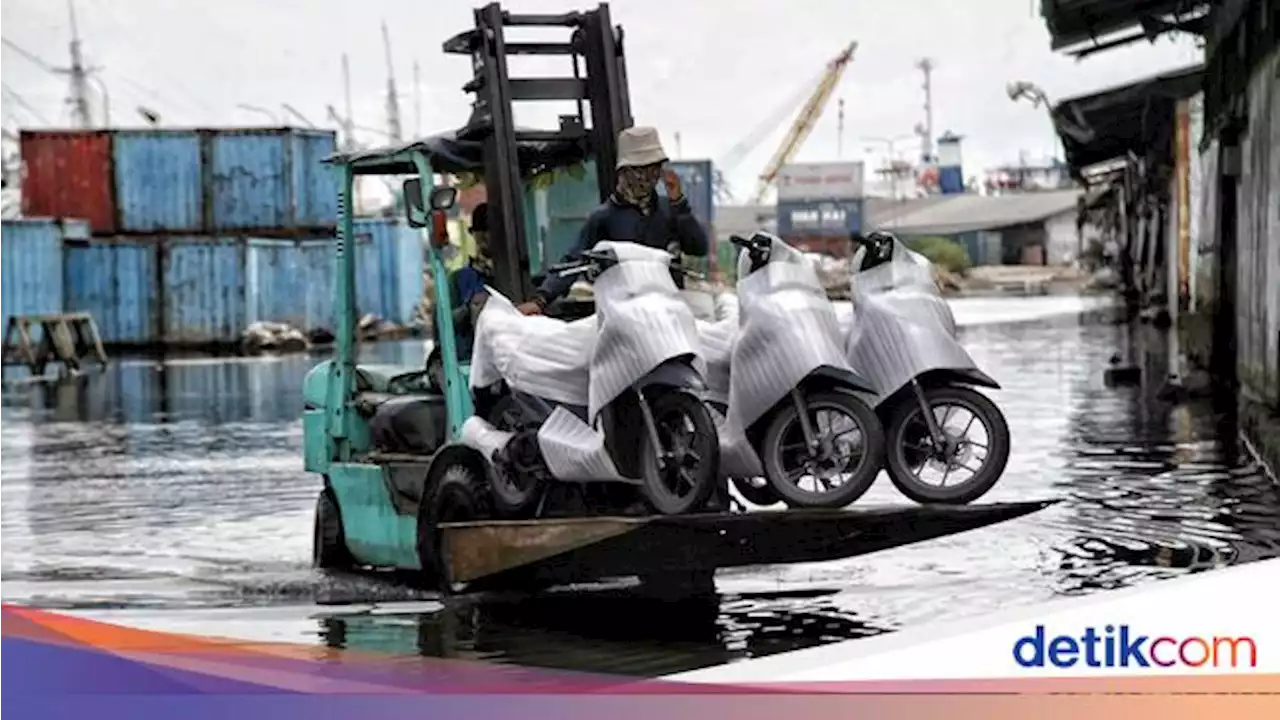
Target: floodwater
[171,496]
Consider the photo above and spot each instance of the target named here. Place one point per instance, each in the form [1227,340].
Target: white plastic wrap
[641,321]
[787,330]
[534,354]
[900,325]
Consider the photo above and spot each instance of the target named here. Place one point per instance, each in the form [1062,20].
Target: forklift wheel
[454,496]
[329,544]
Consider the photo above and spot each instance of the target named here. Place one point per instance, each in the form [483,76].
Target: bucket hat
[640,146]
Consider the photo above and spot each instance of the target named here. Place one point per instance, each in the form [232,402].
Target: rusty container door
[68,174]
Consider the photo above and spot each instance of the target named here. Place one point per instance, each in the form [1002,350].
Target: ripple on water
[182,488]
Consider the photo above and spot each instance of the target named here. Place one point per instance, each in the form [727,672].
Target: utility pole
[417,101]
[926,131]
[393,104]
[80,76]
[348,128]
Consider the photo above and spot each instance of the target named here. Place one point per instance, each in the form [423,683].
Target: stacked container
[31,265]
[197,233]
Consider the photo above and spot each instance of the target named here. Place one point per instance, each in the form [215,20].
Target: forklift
[401,493]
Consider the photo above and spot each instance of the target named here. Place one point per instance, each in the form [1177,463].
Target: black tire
[903,423]
[754,490]
[787,420]
[704,449]
[454,496]
[329,542]
[513,495]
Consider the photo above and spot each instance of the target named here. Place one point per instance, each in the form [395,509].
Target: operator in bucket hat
[634,212]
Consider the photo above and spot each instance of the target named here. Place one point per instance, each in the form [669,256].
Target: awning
[1137,118]
[1072,22]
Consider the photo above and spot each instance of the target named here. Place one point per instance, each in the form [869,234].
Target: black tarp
[1075,21]
[462,151]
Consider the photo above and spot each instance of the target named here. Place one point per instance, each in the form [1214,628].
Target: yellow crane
[800,128]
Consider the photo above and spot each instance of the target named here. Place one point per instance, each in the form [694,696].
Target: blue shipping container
[32,256]
[570,201]
[400,263]
[819,218]
[368,265]
[697,178]
[159,181]
[290,282]
[271,179]
[116,281]
[203,290]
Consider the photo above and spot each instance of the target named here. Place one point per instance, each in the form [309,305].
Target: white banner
[820,181]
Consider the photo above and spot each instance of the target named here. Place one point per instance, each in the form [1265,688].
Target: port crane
[822,89]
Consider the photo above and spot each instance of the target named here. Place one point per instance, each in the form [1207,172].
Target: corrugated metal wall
[290,282]
[159,181]
[31,260]
[68,174]
[570,201]
[203,290]
[270,179]
[115,280]
[316,184]
[1258,286]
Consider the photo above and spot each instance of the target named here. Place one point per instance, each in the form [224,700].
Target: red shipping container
[68,174]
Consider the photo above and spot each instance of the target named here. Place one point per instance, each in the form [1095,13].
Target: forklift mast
[594,46]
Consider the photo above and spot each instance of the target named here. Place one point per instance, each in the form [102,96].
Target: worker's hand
[529,308]
[675,190]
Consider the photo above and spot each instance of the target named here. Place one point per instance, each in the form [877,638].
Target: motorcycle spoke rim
[796,456]
[956,419]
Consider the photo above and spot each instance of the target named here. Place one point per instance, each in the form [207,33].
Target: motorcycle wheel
[514,493]
[687,431]
[911,451]
[784,432]
[756,491]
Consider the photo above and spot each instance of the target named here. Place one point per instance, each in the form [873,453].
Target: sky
[710,70]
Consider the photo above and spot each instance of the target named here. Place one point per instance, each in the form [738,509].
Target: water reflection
[180,485]
[604,631]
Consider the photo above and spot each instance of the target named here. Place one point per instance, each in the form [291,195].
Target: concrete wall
[1062,243]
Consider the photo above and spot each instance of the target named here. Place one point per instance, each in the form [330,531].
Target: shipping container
[570,201]
[819,218]
[290,282]
[697,177]
[159,181]
[117,281]
[271,180]
[202,288]
[32,257]
[67,173]
[399,261]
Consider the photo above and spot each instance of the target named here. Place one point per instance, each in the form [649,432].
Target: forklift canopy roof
[454,152]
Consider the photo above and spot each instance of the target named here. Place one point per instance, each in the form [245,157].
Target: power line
[22,103]
[30,56]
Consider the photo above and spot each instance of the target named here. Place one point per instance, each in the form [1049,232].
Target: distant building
[1032,228]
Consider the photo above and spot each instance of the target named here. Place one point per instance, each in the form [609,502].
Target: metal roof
[1136,117]
[460,151]
[966,213]
[1075,21]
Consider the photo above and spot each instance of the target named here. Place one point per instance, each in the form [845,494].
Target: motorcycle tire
[515,495]
[704,448]
[786,419]
[898,462]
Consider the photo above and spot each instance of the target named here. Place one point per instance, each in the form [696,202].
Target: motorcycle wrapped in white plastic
[614,397]
[792,414]
[901,335]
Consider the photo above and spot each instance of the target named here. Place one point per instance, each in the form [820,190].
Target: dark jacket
[668,223]
[464,283]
